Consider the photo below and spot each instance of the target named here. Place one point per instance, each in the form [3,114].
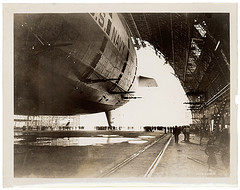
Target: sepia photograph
[120,93]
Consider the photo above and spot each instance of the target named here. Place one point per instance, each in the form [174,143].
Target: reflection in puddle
[101,135]
[137,142]
[146,137]
[18,140]
[18,133]
[100,140]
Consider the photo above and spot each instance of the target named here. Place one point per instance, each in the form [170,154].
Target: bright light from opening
[162,105]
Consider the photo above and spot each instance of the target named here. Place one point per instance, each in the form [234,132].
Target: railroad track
[151,169]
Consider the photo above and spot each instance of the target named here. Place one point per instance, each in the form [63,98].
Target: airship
[67,64]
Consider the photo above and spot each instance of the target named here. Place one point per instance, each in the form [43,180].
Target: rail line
[152,167]
[157,160]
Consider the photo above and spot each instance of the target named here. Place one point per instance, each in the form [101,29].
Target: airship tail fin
[147,82]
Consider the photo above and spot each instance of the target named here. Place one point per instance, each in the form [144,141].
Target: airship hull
[68,64]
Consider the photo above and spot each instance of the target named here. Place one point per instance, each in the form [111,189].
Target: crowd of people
[181,129]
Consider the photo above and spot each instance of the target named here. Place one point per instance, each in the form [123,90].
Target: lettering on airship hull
[104,20]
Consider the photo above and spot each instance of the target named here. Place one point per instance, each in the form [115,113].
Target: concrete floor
[74,161]
[188,160]
[71,159]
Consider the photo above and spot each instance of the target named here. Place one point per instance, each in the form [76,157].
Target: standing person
[184,132]
[187,131]
[176,133]
[201,134]
[210,152]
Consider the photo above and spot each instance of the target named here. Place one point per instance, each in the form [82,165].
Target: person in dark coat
[187,131]
[184,132]
[210,151]
[176,132]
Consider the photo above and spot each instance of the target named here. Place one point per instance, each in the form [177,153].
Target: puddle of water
[43,138]
[146,137]
[137,142]
[74,141]
[18,140]
[18,133]
[100,140]
[101,135]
